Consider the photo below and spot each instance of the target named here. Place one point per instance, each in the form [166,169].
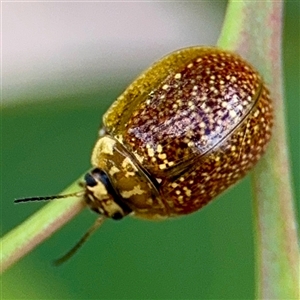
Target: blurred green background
[46,145]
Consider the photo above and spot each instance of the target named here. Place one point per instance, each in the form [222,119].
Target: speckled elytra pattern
[214,172]
[192,110]
[196,122]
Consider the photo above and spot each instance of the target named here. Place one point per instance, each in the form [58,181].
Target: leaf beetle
[185,130]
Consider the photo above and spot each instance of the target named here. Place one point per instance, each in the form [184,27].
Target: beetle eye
[90,180]
[117,216]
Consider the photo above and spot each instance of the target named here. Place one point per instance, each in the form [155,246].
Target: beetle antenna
[99,221]
[47,198]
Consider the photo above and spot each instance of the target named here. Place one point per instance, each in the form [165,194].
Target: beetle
[184,131]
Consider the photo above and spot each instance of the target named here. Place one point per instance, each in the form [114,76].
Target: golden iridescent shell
[194,123]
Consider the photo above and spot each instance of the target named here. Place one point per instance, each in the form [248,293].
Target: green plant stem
[253,29]
[41,225]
